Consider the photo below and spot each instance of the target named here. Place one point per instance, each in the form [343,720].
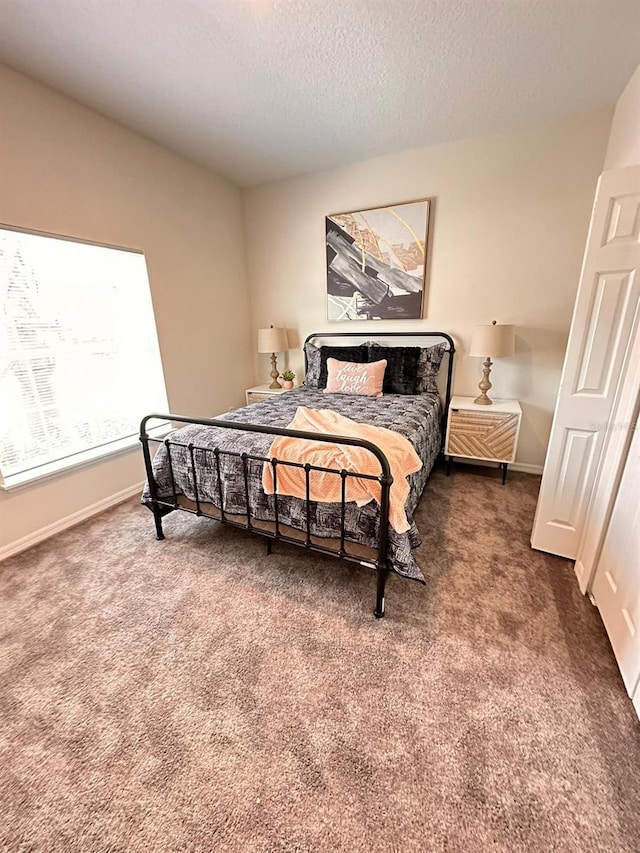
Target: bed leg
[382,573]
[158,520]
[268,541]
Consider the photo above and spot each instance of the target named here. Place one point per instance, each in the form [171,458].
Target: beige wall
[510,220]
[67,170]
[624,143]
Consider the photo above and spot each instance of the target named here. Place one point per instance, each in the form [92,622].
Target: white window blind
[79,357]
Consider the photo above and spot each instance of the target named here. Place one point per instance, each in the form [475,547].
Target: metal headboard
[451,348]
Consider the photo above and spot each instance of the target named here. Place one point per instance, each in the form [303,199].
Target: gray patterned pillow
[313,365]
[429,363]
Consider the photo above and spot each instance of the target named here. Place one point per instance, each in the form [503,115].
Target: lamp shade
[272,340]
[495,341]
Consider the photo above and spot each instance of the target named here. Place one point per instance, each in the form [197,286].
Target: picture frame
[377,261]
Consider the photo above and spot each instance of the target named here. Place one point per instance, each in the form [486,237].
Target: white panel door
[616,586]
[605,318]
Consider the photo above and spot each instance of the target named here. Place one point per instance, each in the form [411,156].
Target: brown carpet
[195,695]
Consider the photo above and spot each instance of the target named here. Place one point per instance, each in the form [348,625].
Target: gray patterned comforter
[415,417]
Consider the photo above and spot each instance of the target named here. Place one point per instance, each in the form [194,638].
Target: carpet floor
[196,695]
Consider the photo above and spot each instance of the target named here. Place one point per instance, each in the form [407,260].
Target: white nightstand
[262,392]
[485,433]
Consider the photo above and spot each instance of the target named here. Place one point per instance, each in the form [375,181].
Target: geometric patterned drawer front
[480,435]
[257,397]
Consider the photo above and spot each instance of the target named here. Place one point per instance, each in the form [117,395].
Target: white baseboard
[524,467]
[37,536]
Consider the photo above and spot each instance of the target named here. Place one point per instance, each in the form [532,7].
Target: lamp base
[483,400]
[275,385]
[484,385]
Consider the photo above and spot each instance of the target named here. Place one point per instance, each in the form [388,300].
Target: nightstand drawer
[257,397]
[483,435]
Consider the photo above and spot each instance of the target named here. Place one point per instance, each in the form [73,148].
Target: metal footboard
[273,529]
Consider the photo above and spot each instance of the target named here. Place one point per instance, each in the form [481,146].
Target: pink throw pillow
[347,377]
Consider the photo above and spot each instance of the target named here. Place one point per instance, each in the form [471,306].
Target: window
[79,357]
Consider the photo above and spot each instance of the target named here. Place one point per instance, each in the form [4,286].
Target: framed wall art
[376,262]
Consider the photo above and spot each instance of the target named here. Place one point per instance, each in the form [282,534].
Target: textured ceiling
[265,89]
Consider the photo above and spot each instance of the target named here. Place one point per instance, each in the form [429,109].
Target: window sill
[78,460]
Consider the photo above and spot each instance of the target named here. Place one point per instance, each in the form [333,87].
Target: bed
[214,468]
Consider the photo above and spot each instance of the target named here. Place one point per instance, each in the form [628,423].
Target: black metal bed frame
[385,478]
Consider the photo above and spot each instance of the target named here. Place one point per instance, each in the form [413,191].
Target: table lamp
[273,341]
[494,341]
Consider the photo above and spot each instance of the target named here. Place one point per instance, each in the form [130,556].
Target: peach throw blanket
[326,487]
